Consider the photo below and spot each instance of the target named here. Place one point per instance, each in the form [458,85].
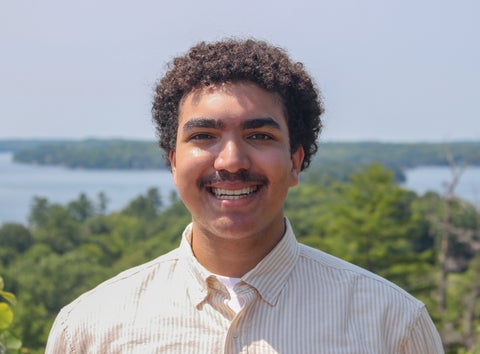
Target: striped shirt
[296,300]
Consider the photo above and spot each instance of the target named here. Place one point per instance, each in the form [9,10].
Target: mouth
[229,194]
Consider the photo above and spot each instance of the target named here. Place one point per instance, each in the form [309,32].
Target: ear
[172,157]
[297,159]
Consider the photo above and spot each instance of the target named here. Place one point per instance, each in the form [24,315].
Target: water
[19,183]
[431,178]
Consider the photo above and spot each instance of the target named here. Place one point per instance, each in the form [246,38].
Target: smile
[233,194]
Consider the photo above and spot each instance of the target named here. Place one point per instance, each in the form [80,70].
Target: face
[232,163]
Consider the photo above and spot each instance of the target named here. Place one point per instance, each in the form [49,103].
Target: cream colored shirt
[296,300]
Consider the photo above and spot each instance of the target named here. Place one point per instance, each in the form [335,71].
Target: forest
[427,244]
[335,158]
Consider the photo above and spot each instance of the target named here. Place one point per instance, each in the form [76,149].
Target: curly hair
[234,60]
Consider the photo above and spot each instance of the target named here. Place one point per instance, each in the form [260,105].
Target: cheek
[276,163]
[198,154]
[192,162]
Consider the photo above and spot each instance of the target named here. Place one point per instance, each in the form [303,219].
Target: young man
[239,121]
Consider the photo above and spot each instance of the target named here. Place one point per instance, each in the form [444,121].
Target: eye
[260,136]
[201,136]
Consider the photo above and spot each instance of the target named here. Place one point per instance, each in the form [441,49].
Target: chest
[287,327]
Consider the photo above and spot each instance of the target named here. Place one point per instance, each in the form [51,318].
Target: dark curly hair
[234,60]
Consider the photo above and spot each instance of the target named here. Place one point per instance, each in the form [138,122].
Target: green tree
[82,208]
[39,211]
[102,203]
[14,240]
[47,281]
[61,231]
[145,206]
[9,343]
[373,227]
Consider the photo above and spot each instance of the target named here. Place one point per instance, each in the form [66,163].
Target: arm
[58,342]
[422,336]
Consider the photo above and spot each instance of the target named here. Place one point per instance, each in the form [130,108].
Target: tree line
[94,154]
[338,159]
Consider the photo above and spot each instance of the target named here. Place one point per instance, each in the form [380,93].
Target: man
[239,121]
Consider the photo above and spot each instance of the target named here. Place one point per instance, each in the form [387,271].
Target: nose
[232,157]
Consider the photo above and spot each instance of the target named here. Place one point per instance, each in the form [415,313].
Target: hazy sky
[399,70]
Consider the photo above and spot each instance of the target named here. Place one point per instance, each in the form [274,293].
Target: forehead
[231,100]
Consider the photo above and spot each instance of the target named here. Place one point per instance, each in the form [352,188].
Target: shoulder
[111,304]
[350,277]
[123,289]
[368,300]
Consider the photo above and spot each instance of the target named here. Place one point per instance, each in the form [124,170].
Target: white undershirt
[236,301]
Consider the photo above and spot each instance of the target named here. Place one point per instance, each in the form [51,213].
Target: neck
[233,257]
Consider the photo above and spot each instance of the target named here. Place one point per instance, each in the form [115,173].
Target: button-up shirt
[297,300]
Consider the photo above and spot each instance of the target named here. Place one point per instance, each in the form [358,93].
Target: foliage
[92,153]
[15,239]
[405,155]
[366,218]
[9,343]
[146,206]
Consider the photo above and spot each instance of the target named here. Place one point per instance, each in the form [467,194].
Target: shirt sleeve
[57,342]
[423,337]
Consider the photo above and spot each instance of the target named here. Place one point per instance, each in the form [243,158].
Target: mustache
[225,176]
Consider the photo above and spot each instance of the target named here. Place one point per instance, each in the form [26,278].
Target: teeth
[233,194]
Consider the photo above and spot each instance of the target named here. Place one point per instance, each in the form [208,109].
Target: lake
[19,183]
[434,178]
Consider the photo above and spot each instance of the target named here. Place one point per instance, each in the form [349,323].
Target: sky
[388,71]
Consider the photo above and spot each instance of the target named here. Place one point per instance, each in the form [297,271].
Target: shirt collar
[197,284]
[271,273]
[268,277]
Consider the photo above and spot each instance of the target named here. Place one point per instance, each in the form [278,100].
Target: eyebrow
[260,122]
[211,123]
[195,123]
